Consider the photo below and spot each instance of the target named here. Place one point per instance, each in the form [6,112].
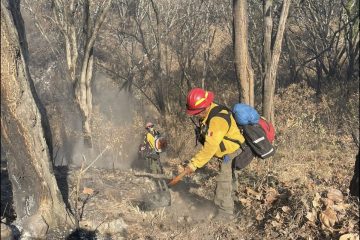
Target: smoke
[185,203]
[115,109]
[115,140]
[114,104]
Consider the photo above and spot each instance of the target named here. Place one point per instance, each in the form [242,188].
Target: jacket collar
[207,115]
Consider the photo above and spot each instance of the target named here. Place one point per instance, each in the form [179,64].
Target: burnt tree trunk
[36,196]
[273,60]
[244,71]
[268,28]
[79,50]
[354,184]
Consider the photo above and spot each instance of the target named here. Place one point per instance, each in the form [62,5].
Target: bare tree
[37,199]
[244,71]
[318,37]
[80,38]
[350,21]
[192,41]
[79,23]
[140,30]
[326,33]
[162,46]
[272,56]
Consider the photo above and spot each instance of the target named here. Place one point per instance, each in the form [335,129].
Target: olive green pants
[154,164]
[226,183]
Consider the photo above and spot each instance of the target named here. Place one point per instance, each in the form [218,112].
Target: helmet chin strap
[201,114]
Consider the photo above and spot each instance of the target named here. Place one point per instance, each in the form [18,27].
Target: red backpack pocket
[268,129]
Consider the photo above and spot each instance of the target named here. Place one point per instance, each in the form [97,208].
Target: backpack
[244,158]
[268,129]
[254,134]
[258,133]
[245,114]
[160,143]
[256,138]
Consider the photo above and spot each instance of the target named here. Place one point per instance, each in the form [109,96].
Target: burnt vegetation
[79,79]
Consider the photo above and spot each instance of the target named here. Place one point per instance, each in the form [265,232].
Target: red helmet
[149,125]
[197,100]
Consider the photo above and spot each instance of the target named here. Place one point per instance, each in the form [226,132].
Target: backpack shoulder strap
[156,133]
[216,111]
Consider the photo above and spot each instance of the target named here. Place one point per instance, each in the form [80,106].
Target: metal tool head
[160,198]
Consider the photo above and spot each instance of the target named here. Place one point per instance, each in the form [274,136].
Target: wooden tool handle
[176,179]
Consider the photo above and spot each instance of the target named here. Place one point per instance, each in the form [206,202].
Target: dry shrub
[181,138]
[122,139]
[276,195]
[299,115]
[315,153]
[344,103]
[309,140]
[330,114]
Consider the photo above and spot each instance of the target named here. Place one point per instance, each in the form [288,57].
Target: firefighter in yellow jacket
[221,138]
[152,155]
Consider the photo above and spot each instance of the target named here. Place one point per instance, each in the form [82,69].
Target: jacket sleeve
[217,130]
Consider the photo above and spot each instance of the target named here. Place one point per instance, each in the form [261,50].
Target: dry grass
[276,197]
[315,153]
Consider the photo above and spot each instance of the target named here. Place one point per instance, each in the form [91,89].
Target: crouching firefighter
[221,138]
[150,151]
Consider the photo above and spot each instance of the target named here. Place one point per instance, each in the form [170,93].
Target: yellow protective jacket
[218,129]
[150,139]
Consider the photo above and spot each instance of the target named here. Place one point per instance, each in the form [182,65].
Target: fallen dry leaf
[246,202]
[328,217]
[316,200]
[351,225]
[259,215]
[271,196]
[249,191]
[335,195]
[180,168]
[311,216]
[275,224]
[327,202]
[88,191]
[349,236]
[341,207]
[286,209]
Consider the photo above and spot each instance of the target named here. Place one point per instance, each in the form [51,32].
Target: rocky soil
[300,193]
[112,205]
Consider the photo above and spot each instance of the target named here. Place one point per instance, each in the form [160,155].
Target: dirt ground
[111,204]
[300,193]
